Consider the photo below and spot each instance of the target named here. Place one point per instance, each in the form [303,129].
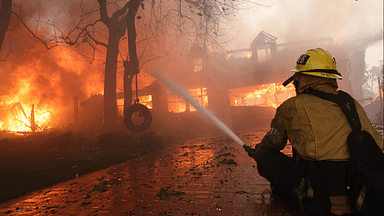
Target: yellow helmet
[317,62]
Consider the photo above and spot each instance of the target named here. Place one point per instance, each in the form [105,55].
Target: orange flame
[48,83]
[264,95]
[16,107]
[177,104]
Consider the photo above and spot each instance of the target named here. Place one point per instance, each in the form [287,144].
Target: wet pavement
[206,176]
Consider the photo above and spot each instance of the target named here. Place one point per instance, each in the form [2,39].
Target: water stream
[181,91]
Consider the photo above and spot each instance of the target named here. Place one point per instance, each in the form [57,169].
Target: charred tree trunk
[116,29]
[132,66]
[110,101]
[5,17]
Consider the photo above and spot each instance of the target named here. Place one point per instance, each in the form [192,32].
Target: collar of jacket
[327,88]
[317,83]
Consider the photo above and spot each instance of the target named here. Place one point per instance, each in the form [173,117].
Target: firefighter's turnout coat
[316,128]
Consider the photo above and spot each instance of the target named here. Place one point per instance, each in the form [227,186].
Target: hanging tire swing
[137,111]
[137,117]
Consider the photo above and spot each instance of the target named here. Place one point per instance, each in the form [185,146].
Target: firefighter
[317,130]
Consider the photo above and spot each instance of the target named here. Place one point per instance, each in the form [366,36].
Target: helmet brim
[323,74]
[319,74]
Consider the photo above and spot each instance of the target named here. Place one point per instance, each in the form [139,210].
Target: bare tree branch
[82,30]
[47,45]
[94,40]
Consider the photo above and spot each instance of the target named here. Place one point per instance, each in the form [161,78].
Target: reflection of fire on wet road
[208,176]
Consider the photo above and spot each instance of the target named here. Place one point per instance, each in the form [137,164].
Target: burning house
[243,87]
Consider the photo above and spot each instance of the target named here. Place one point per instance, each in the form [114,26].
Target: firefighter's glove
[251,152]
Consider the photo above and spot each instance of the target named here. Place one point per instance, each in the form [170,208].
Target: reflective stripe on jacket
[316,128]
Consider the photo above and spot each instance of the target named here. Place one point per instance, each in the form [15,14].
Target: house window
[200,94]
[198,65]
[146,100]
[263,95]
[177,104]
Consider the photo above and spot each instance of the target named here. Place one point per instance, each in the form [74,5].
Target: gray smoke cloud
[305,19]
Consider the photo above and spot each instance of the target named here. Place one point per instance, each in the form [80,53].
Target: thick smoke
[302,20]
